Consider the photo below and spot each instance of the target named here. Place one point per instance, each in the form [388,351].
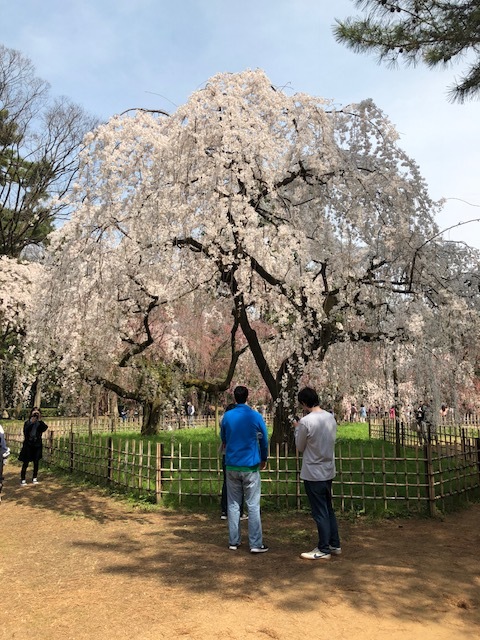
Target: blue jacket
[244,435]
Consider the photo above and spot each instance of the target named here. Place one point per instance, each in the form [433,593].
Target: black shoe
[261,549]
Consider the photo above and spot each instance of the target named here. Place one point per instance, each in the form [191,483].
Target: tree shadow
[421,569]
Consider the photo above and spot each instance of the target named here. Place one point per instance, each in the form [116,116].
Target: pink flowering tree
[307,218]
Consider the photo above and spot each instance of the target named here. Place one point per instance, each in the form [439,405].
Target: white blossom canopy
[309,217]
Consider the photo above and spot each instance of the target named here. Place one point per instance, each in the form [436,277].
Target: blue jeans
[244,485]
[319,494]
[223,502]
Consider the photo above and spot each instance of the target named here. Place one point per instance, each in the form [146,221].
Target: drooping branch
[218,386]
[116,388]
[139,347]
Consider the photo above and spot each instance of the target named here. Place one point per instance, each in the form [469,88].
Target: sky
[113,55]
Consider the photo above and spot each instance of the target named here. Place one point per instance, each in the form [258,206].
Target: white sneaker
[316,554]
[335,551]
[23,482]
[35,481]
[262,549]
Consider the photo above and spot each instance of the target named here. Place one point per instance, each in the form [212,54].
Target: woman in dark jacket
[32,447]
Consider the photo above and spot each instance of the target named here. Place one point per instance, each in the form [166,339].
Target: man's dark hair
[240,394]
[308,397]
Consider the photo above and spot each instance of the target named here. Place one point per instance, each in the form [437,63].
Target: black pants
[319,494]
[23,472]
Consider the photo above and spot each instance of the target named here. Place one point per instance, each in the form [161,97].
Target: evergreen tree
[431,31]
[39,142]
[24,218]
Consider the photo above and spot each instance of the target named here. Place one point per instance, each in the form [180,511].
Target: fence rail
[104,424]
[375,475]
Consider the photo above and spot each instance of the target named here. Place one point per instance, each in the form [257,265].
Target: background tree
[40,138]
[18,282]
[435,32]
[309,220]
[39,142]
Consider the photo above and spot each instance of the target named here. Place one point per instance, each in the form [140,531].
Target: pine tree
[40,138]
[24,218]
[435,32]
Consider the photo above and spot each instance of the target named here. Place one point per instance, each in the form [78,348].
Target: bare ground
[78,564]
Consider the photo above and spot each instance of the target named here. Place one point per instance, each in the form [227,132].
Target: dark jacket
[32,447]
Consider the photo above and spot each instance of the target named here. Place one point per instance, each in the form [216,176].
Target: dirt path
[77,564]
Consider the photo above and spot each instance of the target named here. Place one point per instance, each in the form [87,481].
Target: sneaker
[261,549]
[233,547]
[316,554]
[223,516]
[35,481]
[23,482]
[335,551]
[244,517]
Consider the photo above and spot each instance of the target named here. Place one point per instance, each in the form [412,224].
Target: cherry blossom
[306,217]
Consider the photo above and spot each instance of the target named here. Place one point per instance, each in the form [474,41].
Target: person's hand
[263,464]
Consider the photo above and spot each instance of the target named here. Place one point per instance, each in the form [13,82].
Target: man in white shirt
[315,436]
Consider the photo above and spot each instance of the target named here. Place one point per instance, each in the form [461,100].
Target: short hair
[240,394]
[308,397]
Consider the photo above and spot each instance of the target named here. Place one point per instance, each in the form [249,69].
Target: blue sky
[112,55]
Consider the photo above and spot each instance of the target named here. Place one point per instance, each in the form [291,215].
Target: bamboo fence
[373,475]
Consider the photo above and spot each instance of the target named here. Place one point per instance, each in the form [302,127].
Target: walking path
[78,564]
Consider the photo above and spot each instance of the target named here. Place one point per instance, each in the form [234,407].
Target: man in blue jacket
[244,436]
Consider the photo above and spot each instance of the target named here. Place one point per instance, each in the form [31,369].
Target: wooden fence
[372,476]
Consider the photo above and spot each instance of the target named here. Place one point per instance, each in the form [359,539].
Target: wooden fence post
[72,451]
[109,459]
[477,440]
[463,439]
[50,445]
[158,473]
[429,478]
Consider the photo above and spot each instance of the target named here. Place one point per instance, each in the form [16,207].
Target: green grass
[352,431]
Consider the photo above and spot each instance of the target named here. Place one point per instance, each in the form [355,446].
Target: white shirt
[315,437]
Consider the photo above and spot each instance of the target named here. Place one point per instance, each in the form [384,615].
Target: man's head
[35,415]
[240,394]
[308,397]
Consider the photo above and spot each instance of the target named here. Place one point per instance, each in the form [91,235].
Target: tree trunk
[152,411]
[285,411]
[91,410]
[36,393]
[113,409]
[2,395]
[396,397]
[283,431]
[37,398]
